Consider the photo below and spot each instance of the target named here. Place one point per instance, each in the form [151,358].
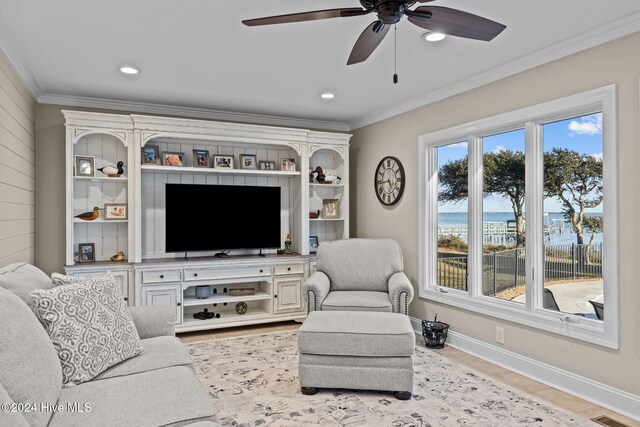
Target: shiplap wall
[17,168]
[153,189]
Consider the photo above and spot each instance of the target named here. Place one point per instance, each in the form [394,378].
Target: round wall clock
[389,181]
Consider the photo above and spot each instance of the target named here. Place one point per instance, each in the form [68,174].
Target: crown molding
[201,113]
[601,35]
[10,48]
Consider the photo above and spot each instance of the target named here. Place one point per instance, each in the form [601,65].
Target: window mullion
[534,190]
[476,182]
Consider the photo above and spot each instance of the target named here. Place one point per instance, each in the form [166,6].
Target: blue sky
[582,134]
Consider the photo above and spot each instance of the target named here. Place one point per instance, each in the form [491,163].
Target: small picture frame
[267,165]
[288,165]
[223,162]
[151,155]
[86,252]
[330,209]
[115,211]
[85,166]
[247,161]
[171,158]
[313,244]
[200,158]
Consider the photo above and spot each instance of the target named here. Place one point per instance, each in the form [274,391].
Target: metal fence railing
[506,269]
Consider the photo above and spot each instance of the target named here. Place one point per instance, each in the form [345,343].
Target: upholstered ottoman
[356,350]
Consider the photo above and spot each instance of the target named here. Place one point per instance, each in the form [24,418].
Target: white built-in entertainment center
[150,276]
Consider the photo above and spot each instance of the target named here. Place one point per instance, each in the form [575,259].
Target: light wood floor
[520,382]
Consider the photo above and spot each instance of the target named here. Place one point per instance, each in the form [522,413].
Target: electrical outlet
[499,335]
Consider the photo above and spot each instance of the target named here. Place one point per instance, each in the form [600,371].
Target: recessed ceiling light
[327,95]
[434,36]
[129,70]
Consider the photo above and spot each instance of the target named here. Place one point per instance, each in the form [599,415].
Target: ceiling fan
[434,18]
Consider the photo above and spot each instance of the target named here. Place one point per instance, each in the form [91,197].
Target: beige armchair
[359,275]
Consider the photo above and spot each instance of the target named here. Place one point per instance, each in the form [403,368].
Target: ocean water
[555,238]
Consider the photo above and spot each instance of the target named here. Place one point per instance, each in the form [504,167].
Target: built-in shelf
[99,221]
[326,219]
[219,299]
[100,179]
[216,171]
[226,317]
[326,185]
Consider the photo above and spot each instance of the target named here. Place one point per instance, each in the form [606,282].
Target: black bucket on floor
[434,333]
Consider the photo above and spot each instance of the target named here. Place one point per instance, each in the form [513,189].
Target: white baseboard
[592,391]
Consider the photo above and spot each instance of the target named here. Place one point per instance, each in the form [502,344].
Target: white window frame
[604,333]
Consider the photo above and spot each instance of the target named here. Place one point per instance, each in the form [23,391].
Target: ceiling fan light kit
[436,19]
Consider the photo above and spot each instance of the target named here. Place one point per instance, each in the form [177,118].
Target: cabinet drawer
[284,269]
[120,276]
[160,276]
[191,274]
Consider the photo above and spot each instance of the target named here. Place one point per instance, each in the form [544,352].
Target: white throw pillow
[89,325]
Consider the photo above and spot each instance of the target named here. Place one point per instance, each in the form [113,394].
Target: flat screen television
[202,217]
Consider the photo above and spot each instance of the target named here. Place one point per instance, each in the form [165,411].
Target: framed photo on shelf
[115,211]
[171,158]
[85,166]
[200,158]
[330,209]
[86,252]
[247,161]
[288,164]
[313,244]
[267,165]
[223,162]
[150,155]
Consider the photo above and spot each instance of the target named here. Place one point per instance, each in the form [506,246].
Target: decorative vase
[203,292]
[287,244]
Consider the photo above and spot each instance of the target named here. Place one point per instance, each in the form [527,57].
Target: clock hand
[382,182]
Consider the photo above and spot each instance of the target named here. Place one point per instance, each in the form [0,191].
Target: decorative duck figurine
[89,216]
[113,171]
[118,257]
[320,174]
[331,178]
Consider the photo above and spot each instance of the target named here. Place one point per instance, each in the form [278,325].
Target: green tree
[503,176]
[576,180]
[593,225]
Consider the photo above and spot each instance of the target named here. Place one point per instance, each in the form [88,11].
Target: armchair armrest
[316,289]
[153,321]
[400,293]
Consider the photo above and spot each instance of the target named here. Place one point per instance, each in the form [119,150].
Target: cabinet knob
[126,298]
[162,276]
[179,304]
[195,274]
[289,269]
[261,271]
[275,296]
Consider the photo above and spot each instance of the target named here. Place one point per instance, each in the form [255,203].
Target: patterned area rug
[253,381]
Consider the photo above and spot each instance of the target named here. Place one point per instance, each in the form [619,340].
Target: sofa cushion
[359,264]
[161,397]
[159,352]
[356,333]
[21,278]
[29,366]
[9,417]
[357,301]
[89,325]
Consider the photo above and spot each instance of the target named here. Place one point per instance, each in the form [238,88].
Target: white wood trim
[217,171]
[592,391]
[602,333]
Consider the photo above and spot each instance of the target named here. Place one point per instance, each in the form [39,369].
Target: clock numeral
[380,190]
[388,163]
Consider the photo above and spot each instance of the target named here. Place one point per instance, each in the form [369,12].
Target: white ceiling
[197,54]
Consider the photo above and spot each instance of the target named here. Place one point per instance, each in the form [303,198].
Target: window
[512,216]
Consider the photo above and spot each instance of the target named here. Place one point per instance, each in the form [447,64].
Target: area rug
[253,381]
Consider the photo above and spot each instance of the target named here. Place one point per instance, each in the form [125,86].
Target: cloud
[499,149]
[597,156]
[588,125]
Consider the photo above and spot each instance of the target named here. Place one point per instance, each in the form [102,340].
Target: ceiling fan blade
[455,22]
[368,42]
[306,16]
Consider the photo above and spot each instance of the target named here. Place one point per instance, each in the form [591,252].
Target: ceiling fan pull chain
[395,55]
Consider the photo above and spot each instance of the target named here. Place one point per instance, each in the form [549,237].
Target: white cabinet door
[288,294]
[120,276]
[164,295]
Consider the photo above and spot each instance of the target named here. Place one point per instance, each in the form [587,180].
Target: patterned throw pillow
[60,279]
[89,325]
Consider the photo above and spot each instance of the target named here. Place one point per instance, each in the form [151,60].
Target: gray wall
[615,62]
[17,168]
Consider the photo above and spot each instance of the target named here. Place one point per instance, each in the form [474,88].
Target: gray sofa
[359,275]
[157,388]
